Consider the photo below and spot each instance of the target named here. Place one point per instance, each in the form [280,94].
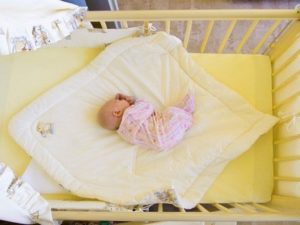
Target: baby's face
[110,115]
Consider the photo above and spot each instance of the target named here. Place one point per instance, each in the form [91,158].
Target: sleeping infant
[137,122]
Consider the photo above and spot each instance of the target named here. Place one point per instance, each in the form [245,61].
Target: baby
[139,123]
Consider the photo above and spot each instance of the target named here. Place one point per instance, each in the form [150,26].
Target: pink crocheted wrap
[144,126]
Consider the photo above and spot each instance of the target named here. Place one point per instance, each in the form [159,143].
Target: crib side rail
[285,58]
[142,15]
[161,212]
[236,31]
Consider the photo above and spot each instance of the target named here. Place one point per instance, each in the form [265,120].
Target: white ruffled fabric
[20,198]
[31,24]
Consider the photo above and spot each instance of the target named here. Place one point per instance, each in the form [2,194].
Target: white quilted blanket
[96,163]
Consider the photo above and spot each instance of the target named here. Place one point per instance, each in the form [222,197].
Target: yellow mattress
[25,76]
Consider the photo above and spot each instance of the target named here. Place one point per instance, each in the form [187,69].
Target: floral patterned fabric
[23,198]
[34,24]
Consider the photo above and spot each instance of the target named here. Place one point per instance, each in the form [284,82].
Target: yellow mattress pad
[25,76]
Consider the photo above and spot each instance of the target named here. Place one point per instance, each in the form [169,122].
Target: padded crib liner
[26,27]
[84,157]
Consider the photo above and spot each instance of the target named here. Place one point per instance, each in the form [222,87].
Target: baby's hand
[129,99]
[120,96]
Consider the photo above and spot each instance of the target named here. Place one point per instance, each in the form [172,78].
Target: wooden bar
[287,100]
[286,36]
[181,209]
[160,207]
[219,14]
[283,178]
[221,207]
[124,24]
[146,28]
[207,33]
[286,158]
[246,36]
[287,81]
[266,36]
[202,209]
[287,139]
[287,62]
[227,35]
[168,26]
[187,33]
[243,207]
[172,216]
[103,25]
[265,208]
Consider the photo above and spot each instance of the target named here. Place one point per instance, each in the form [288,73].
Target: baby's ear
[117,113]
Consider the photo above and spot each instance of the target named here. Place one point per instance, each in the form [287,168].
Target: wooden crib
[278,38]
[283,48]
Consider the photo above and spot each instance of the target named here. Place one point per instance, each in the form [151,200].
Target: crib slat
[207,34]
[246,36]
[243,207]
[227,35]
[168,26]
[287,62]
[266,36]
[287,139]
[292,78]
[286,158]
[187,33]
[277,54]
[124,24]
[146,28]
[287,100]
[221,207]
[263,207]
[202,209]
[103,25]
[160,207]
[181,209]
[284,178]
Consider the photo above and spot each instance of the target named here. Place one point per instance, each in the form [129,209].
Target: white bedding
[35,24]
[95,163]
[40,180]
[20,203]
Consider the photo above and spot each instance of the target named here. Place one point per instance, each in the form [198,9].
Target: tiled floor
[220,27]
[206,4]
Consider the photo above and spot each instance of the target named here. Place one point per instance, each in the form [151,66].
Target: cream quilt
[59,129]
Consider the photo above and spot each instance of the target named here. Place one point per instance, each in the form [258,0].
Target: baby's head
[110,114]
